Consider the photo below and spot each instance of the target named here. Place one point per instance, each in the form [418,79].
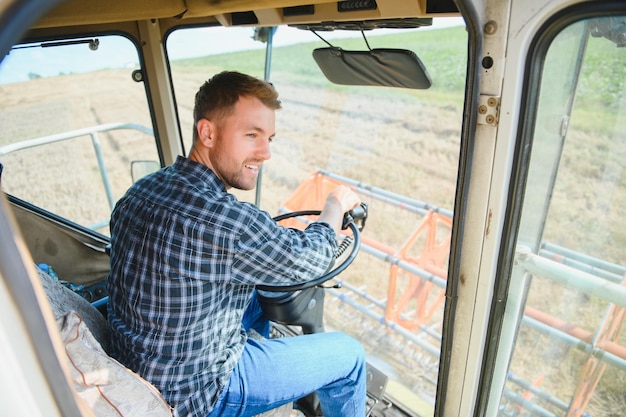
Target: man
[185,259]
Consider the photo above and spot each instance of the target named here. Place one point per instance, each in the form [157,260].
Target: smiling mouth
[254,168]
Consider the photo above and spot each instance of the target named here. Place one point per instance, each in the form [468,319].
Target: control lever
[357,215]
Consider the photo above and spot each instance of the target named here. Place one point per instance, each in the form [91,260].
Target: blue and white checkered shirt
[185,258]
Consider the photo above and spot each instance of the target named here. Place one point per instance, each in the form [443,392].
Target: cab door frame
[503,62]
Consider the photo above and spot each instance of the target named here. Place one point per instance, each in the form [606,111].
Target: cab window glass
[398,148]
[568,279]
[72,121]
[196,54]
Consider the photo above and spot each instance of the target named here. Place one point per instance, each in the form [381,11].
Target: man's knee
[348,346]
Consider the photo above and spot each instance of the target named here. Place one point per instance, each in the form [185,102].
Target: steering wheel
[359,214]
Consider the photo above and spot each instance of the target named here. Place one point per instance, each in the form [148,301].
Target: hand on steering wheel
[354,220]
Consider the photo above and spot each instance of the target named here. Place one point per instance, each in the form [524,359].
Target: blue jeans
[274,372]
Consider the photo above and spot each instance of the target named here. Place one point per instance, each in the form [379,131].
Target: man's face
[242,143]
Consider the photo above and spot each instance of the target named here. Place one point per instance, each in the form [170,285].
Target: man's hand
[339,201]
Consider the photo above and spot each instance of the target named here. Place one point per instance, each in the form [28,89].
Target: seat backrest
[102,383]
[63,300]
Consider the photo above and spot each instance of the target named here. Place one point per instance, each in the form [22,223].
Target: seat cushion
[108,388]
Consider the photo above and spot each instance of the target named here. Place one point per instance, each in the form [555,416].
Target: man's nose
[263,150]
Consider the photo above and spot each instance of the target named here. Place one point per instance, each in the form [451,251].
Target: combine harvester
[509,304]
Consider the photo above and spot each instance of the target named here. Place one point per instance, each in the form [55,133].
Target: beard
[233,174]
[237,180]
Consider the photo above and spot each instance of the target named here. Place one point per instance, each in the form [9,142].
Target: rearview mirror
[374,67]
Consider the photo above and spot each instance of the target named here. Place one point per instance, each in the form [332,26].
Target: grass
[602,81]
[294,64]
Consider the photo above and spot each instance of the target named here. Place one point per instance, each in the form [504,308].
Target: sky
[187,46]
[115,52]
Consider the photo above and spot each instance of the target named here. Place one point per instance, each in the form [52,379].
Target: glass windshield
[568,281]
[72,120]
[398,148]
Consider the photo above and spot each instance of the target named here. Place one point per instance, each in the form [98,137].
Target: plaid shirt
[185,258]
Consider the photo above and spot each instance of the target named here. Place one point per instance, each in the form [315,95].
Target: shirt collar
[198,174]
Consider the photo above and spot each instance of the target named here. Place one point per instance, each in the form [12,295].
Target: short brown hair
[216,98]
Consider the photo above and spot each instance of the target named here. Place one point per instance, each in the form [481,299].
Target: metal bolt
[490,119]
[491,27]
[492,102]
[482,109]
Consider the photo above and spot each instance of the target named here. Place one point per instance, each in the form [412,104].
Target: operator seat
[99,380]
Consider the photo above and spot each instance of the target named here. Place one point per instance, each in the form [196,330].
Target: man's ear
[206,132]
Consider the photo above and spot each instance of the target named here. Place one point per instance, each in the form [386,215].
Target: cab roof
[243,12]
